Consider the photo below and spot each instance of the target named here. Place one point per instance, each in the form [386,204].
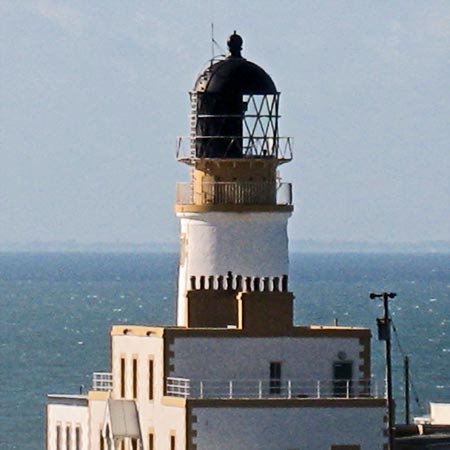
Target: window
[275,378]
[102,441]
[135,365]
[172,442]
[122,377]
[134,444]
[68,438]
[78,438]
[58,437]
[150,379]
[151,441]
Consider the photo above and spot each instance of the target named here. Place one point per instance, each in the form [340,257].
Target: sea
[56,311]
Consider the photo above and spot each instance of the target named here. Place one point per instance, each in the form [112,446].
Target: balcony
[234,193]
[102,381]
[258,389]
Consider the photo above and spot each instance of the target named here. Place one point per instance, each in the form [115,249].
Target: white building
[235,373]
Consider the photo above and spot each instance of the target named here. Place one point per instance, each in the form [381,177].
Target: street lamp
[384,334]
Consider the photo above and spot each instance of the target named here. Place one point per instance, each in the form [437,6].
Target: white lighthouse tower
[234,212]
[235,373]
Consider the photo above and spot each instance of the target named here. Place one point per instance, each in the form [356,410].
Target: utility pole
[384,334]
[406,369]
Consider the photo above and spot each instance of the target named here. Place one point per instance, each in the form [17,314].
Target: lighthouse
[235,209]
[235,372]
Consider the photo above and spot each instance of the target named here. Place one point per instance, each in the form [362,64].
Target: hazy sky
[94,93]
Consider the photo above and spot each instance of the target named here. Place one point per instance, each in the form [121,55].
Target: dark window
[172,442]
[275,378]
[151,441]
[135,365]
[68,441]
[150,379]
[58,437]
[77,438]
[122,377]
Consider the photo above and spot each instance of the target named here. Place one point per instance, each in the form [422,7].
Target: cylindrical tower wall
[215,243]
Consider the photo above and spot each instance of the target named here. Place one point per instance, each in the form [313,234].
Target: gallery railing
[234,193]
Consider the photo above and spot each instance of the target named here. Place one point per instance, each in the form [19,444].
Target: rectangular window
[68,440]
[58,437]
[134,444]
[135,377]
[77,438]
[122,377]
[172,442]
[275,378]
[151,441]
[150,379]
[102,441]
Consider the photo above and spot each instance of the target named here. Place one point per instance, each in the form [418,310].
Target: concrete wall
[143,349]
[97,408]
[67,413]
[303,359]
[287,428]
[155,417]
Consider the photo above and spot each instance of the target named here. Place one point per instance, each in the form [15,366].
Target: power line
[403,353]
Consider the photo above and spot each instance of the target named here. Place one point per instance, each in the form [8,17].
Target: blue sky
[93,95]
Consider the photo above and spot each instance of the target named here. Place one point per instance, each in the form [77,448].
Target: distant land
[295,246]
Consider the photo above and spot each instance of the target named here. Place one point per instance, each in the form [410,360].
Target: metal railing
[279,148]
[178,387]
[259,389]
[102,381]
[234,193]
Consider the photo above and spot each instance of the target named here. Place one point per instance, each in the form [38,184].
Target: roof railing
[102,381]
[271,388]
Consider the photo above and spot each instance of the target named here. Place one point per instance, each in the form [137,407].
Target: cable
[413,387]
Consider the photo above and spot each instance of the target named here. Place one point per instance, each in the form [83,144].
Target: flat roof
[311,331]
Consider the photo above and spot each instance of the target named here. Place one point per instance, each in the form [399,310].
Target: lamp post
[384,334]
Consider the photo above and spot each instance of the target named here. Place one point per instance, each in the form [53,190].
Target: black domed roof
[235,75]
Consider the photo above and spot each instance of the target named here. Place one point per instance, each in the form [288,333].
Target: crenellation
[284,283]
[219,279]
[276,284]
[238,283]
